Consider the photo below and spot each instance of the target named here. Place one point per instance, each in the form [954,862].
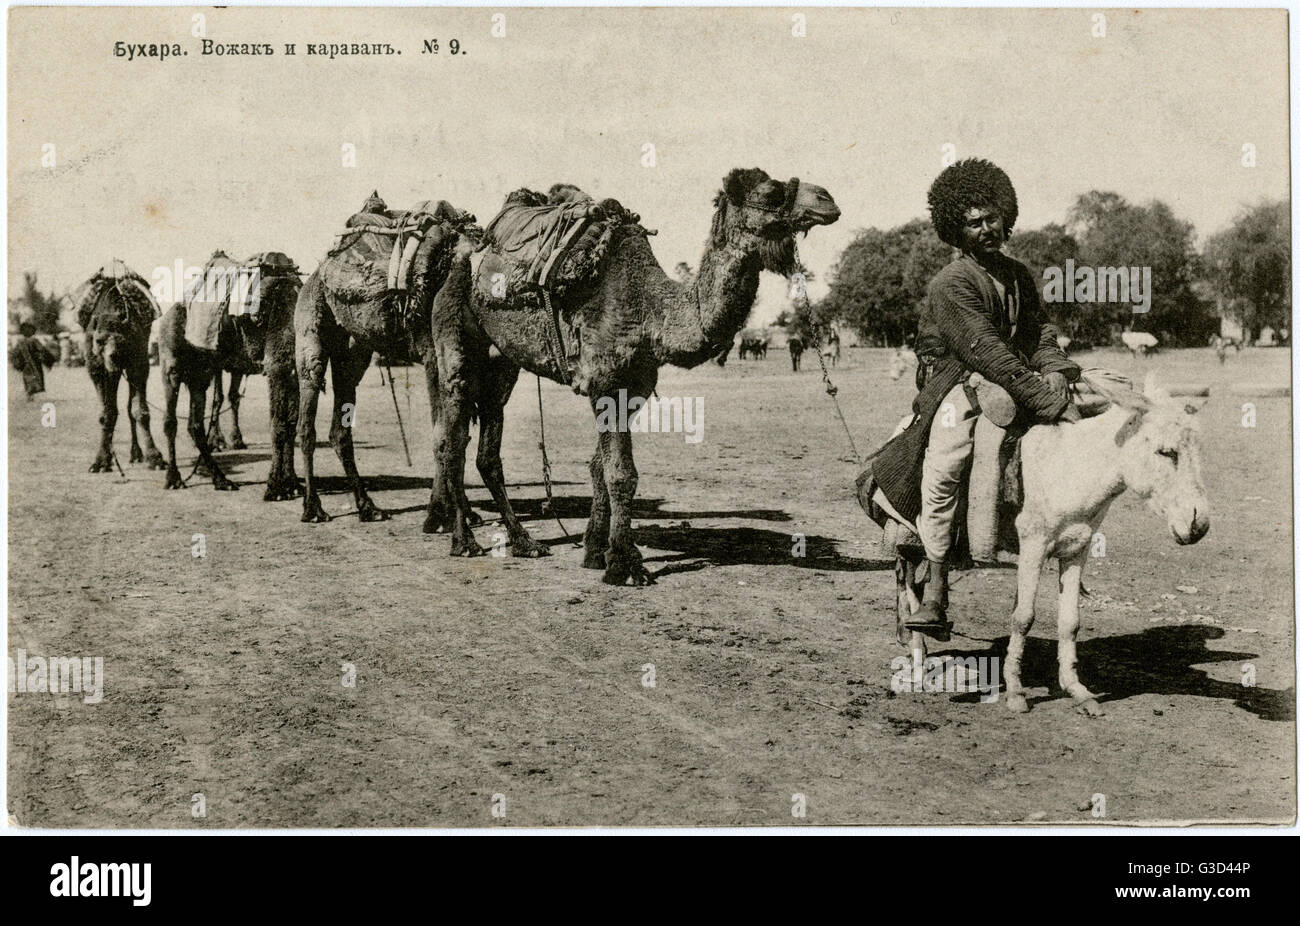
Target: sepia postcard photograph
[680,417]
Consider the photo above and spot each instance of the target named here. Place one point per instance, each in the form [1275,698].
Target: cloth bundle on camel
[536,244]
[994,492]
[228,287]
[140,304]
[381,237]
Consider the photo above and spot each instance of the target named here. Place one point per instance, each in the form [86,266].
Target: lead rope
[546,464]
[832,390]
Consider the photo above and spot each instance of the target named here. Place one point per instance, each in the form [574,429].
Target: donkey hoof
[1017,704]
[1090,707]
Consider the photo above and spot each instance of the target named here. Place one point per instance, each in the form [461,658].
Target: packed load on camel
[384,254]
[548,246]
[227,287]
[136,298]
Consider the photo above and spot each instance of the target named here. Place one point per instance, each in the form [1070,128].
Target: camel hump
[138,305]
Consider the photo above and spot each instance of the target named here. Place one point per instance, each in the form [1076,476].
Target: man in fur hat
[983,317]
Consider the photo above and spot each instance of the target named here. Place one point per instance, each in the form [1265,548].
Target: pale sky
[159,161]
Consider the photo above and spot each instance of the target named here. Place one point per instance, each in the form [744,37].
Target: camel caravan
[1010,446]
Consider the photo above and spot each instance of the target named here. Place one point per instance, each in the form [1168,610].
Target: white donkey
[1149,444]
[1071,472]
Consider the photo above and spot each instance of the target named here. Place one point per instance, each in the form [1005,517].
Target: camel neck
[707,314]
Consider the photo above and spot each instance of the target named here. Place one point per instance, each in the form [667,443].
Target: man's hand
[1057,381]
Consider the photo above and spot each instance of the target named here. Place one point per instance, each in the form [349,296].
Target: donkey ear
[740,181]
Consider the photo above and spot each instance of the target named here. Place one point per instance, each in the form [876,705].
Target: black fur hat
[973,182]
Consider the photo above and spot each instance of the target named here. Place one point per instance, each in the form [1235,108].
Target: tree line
[1243,273]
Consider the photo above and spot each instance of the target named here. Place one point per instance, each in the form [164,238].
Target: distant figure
[796,352]
[831,350]
[897,364]
[30,358]
[1221,349]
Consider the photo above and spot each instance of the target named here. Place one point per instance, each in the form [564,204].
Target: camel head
[1162,462]
[109,332]
[755,211]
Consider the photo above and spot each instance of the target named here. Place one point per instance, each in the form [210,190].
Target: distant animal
[755,347]
[116,309]
[796,352]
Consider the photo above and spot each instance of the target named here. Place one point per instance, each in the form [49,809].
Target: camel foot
[620,571]
[237,442]
[1090,707]
[135,456]
[173,480]
[156,461]
[1017,704]
[437,524]
[312,512]
[282,490]
[369,511]
[466,546]
[528,547]
[218,442]
[222,484]
[202,470]
[473,518]
[594,558]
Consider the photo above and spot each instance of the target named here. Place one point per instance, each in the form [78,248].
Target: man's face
[982,233]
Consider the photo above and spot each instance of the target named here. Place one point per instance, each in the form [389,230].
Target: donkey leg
[1032,551]
[1067,631]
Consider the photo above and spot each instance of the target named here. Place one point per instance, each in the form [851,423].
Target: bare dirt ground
[524,679]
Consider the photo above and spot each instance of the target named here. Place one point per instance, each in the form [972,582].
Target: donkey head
[1162,462]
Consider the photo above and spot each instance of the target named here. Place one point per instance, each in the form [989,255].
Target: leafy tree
[1248,266]
[42,309]
[1115,233]
[880,280]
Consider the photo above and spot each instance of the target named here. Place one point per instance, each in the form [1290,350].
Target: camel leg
[136,455]
[198,387]
[346,370]
[311,358]
[282,386]
[622,559]
[138,406]
[596,538]
[106,386]
[171,392]
[236,436]
[217,440]
[1032,552]
[495,391]
[457,392]
[440,518]
[1067,630]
